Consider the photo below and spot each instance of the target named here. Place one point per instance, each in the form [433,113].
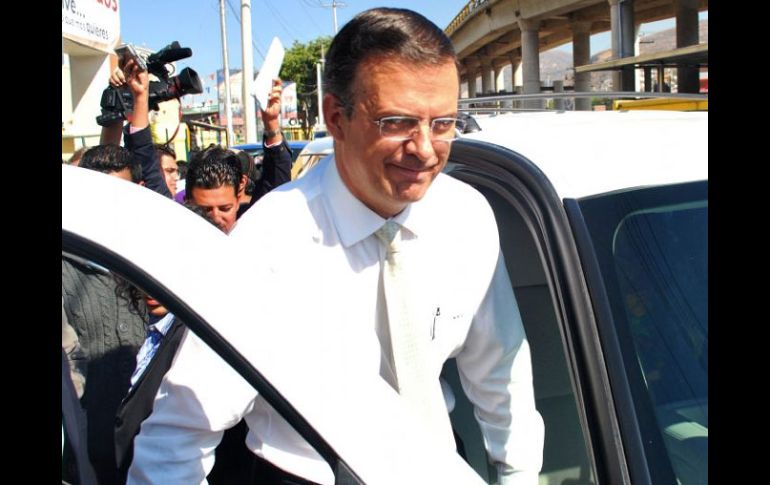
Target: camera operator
[137,133]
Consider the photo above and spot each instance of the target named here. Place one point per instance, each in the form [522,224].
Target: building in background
[90,32]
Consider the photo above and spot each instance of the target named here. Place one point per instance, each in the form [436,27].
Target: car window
[652,247]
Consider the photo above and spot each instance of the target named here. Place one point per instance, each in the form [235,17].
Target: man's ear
[242,185]
[334,113]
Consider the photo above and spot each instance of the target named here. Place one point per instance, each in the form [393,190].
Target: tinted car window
[652,248]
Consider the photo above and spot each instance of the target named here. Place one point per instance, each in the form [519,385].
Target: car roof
[586,153]
[319,146]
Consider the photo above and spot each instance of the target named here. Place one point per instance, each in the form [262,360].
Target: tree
[299,66]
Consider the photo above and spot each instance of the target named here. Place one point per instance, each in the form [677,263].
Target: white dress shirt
[324,260]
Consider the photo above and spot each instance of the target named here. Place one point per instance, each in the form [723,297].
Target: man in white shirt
[391,84]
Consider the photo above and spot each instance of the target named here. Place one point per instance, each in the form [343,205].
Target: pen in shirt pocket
[433,327]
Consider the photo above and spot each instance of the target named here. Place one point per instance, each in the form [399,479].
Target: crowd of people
[383,209]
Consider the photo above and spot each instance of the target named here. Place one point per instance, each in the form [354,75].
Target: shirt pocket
[448,328]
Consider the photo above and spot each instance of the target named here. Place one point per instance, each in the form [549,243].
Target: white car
[603,224]
[310,155]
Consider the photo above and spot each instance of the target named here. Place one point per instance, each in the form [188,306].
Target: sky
[195,24]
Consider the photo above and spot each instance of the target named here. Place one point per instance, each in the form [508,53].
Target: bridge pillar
[530,59]
[581,55]
[623,36]
[559,103]
[648,78]
[472,84]
[688,80]
[471,73]
[487,72]
[499,78]
[515,58]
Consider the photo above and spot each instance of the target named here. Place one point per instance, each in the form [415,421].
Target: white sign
[95,23]
[263,84]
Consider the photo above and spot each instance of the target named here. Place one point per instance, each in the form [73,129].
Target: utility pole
[228,108]
[249,106]
[319,77]
[334,6]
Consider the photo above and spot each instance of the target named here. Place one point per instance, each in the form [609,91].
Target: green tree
[299,66]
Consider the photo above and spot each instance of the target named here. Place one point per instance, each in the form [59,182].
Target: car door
[361,429]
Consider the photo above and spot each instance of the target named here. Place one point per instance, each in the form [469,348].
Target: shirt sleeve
[496,373]
[139,143]
[176,442]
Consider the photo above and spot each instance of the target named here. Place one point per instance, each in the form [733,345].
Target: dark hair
[109,159]
[132,296]
[388,32]
[164,149]
[212,168]
[182,165]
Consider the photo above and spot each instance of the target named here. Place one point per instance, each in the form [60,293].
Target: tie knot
[387,233]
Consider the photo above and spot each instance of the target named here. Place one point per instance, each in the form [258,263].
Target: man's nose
[423,145]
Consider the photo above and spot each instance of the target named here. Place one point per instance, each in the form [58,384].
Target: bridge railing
[498,103]
[468,10]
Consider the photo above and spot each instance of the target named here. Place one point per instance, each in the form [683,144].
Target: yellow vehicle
[667,104]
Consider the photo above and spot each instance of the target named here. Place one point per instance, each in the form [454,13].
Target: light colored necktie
[410,352]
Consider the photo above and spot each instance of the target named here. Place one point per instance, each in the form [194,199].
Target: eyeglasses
[402,128]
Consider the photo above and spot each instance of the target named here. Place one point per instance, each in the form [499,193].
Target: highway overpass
[488,35]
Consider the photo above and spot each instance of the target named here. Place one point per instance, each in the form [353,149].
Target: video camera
[117,101]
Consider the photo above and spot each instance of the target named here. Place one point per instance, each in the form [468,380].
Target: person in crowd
[276,164]
[376,209]
[110,329]
[215,176]
[180,184]
[137,135]
[167,158]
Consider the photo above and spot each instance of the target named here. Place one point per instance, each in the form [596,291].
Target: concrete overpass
[488,35]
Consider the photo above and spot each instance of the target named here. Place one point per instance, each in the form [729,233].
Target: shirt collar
[354,221]
[163,324]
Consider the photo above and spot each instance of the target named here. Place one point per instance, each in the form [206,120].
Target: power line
[238,19]
[277,15]
[308,4]
[311,4]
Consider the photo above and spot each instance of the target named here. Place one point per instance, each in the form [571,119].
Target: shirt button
[123,326]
